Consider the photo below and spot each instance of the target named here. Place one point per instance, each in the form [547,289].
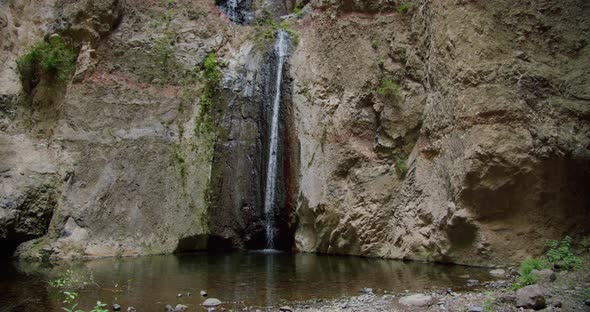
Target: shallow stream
[238,279]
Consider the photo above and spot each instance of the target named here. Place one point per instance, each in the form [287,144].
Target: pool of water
[238,279]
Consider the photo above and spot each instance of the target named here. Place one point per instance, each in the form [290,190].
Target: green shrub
[525,270]
[375,44]
[530,264]
[401,164]
[297,10]
[265,29]
[404,7]
[560,254]
[211,71]
[212,77]
[388,88]
[51,60]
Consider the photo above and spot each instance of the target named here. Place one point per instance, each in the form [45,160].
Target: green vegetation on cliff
[51,59]
[211,76]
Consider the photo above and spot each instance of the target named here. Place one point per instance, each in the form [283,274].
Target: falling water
[238,11]
[281,45]
[232,10]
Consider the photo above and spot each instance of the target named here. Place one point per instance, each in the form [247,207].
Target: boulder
[417,300]
[545,275]
[530,297]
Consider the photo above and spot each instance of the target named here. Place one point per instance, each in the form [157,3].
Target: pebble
[116,307]
[168,308]
[498,272]
[366,290]
[285,309]
[203,293]
[179,295]
[131,309]
[474,309]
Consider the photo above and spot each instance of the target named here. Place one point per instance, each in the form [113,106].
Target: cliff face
[453,131]
[116,152]
[488,108]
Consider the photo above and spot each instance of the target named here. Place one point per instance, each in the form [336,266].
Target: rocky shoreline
[565,293]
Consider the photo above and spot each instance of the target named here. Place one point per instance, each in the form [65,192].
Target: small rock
[168,308]
[285,309]
[116,307]
[203,293]
[500,284]
[418,300]
[473,308]
[131,309]
[366,290]
[557,304]
[498,272]
[530,297]
[188,294]
[179,295]
[180,308]
[472,282]
[211,303]
[544,275]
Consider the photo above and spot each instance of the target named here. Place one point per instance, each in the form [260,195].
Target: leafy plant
[50,59]
[70,296]
[265,30]
[387,88]
[100,307]
[375,44]
[525,271]
[488,305]
[297,10]
[401,164]
[72,308]
[560,254]
[212,76]
[404,7]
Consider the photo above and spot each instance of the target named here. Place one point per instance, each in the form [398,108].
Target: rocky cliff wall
[486,105]
[113,160]
[454,131]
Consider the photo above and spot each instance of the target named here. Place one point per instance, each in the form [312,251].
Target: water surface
[238,279]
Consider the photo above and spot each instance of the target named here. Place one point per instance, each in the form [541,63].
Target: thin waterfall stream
[281,49]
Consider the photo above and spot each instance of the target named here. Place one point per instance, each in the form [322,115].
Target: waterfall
[238,11]
[280,48]
[232,10]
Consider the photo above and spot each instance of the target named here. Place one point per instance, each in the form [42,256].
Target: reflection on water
[240,278]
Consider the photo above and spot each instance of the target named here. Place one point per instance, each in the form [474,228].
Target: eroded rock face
[457,131]
[28,196]
[490,116]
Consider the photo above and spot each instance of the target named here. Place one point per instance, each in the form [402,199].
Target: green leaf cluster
[560,254]
[51,59]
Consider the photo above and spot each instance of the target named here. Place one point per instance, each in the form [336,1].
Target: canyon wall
[454,131]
